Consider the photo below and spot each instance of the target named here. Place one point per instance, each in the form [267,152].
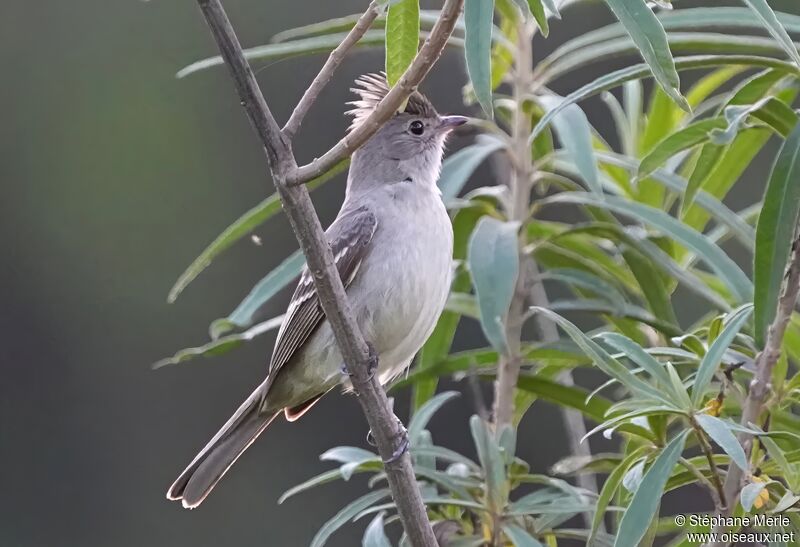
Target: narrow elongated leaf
[777,224]
[645,501]
[709,157]
[705,371]
[492,462]
[374,536]
[649,36]
[774,27]
[683,139]
[402,37]
[221,345]
[478,16]
[349,512]
[604,361]
[734,278]
[243,226]
[421,418]
[618,77]
[750,493]
[610,486]
[635,352]
[284,50]
[458,167]
[575,134]
[494,263]
[537,9]
[652,284]
[721,434]
[248,310]
[519,537]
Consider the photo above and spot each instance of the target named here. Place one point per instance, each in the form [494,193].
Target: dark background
[114,176]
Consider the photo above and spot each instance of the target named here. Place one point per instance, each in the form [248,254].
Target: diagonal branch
[386,428]
[428,54]
[326,72]
[761,383]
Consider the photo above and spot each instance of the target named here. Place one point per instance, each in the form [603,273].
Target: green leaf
[422,416]
[683,139]
[773,26]
[777,224]
[402,37]
[374,536]
[618,77]
[248,310]
[347,513]
[243,226]
[519,537]
[478,16]
[723,266]
[652,284]
[492,462]
[707,160]
[637,354]
[303,46]
[721,434]
[604,361]
[750,493]
[705,371]
[610,486]
[221,345]
[458,167]
[649,36]
[537,10]
[494,263]
[645,501]
[575,134]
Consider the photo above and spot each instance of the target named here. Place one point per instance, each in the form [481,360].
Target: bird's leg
[372,363]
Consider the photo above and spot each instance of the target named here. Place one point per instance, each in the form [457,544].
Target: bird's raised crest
[372,88]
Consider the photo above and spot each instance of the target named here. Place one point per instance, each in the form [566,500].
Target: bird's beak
[448,123]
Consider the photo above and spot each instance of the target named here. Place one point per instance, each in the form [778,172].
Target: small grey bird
[392,243]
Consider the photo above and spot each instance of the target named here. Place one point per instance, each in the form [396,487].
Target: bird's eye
[416,127]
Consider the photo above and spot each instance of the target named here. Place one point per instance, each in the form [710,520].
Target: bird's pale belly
[396,313]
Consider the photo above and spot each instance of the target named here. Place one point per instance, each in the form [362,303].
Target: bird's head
[409,146]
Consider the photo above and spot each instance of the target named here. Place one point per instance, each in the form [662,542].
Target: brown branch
[428,54]
[326,72]
[760,385]
[386,428]
[718,494]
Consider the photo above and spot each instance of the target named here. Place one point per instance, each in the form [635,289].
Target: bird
[392,243]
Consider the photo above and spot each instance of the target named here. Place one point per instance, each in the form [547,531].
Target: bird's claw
[372,364]
[402,446]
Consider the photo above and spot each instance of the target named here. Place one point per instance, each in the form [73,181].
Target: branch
[326,72]
[386,428]
[761,384]
[428,54]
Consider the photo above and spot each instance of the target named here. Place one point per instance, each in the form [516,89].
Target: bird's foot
[372,364]
[403,443]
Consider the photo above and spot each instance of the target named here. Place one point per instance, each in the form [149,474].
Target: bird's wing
[349,237]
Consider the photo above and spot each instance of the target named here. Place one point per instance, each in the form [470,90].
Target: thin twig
[428,54]
[760,385]
[326,72]
[719,497]
[712,490]
[385,427]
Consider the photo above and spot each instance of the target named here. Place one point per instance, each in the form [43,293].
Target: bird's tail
[208,467]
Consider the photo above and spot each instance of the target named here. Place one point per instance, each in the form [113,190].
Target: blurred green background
[114,176]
